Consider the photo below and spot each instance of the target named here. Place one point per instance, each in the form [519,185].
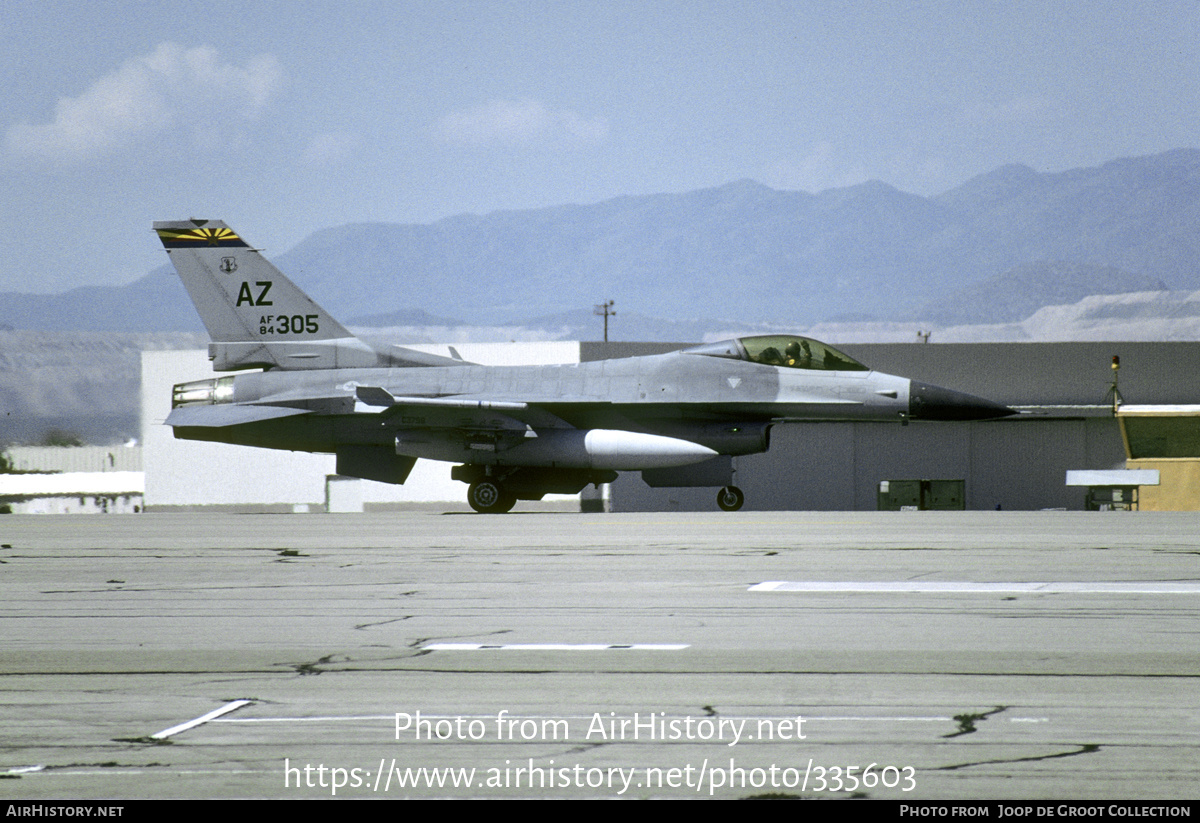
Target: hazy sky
[282,118]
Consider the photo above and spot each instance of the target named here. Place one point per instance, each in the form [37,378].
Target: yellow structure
[1166,438]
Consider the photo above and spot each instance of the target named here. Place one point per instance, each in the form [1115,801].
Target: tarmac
[910,655]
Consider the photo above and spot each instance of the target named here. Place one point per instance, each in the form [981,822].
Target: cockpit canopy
[786,350]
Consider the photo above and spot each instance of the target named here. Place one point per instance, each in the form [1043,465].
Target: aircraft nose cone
[926,402]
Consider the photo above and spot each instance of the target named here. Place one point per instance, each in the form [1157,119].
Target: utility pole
[605,311]
[1117,399]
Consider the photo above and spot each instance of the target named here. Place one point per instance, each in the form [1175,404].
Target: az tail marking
[244,295]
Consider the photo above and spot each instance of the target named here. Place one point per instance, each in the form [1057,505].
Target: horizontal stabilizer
[219,416]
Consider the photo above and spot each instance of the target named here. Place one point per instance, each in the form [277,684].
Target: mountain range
[994,250]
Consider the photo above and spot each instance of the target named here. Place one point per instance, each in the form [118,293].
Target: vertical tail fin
[256,316]
[239,294]
[243,299]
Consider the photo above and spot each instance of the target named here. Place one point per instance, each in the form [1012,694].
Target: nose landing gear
[730,498]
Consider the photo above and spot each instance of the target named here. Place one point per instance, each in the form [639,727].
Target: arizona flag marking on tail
[174,238]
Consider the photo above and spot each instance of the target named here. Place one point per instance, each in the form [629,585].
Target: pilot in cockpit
[771,357]
[798,355]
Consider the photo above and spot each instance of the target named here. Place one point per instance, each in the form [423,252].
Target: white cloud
[172,88]
[519,122]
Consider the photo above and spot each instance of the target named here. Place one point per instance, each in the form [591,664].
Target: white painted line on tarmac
[554,647]
[321,718]
[962,587]
[191,724]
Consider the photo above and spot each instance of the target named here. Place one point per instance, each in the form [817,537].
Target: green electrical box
[921,495]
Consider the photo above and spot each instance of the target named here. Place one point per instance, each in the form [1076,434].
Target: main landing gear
[496,494]
[730,498]
[489,497]
[495,490]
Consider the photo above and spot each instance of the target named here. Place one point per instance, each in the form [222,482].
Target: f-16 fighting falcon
[305,383]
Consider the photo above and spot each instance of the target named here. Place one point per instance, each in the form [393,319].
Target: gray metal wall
[1014,463]
[838,466]
[1046,373]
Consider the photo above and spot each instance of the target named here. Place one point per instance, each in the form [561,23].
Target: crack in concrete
[311,668]
[783,796]
[384,622]
[421,641]
[583,747]
[1084,748]
[107,764]
[966,722]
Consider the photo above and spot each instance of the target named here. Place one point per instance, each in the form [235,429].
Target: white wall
[75,458]
[190,473]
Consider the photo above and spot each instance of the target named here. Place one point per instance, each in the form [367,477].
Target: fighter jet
[305,383]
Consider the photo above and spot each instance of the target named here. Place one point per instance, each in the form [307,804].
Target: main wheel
[489,497]
[730,498]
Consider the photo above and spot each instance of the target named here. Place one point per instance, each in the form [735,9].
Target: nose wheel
[730,498]
[489,497]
